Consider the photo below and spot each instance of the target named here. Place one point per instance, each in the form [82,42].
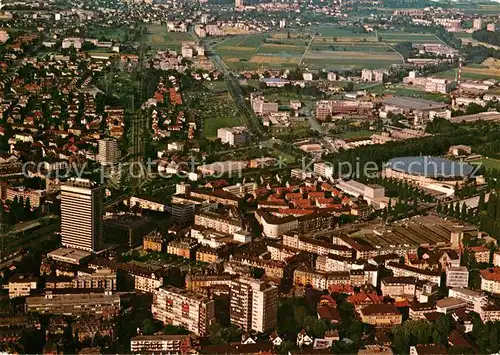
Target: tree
[148,326]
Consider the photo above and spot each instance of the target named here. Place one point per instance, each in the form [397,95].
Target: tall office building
[81,214]
[108,153]
[238,4]
[254,304]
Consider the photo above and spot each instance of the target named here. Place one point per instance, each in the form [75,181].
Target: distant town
[250,177]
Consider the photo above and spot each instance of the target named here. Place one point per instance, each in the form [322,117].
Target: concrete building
[183,213]
[475,300]
[81,215]
[457,276]
[183,247]
[172,305]
[490,280]
[21,285]
[35,197]
[75,303]
[373,75]
[233,136]
[372,194]
[160,344]
[404,270]
[108,153]
[477,23]
[217,222]
[491,27]
[253,305]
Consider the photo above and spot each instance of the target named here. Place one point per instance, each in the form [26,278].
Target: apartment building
[399,287]
[253,304]
[184,308]
[234,136]
[457,276]
[35,197]
[196,283]
[373,75]
[183,247]
[331,263]
[318,247]
[75,303]
[381,315]
[160,344]
[404,270]
[183,212]
[95,279]
[217,222]
[490,280]
[475,300]
[108,152]
[154,241]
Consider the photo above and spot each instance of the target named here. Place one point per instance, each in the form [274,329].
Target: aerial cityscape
[250,177]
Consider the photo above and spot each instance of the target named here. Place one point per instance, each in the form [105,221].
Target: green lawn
[364,133]
[159,38]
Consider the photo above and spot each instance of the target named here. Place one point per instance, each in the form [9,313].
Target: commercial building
[95,279]
[147,203]
[449,304]
[180,307]
[81,215]
[160,344]
[372,194]
[381,315]
[75,303]
[253,305]
[426,170]
[21,285]
[419,109]
[457,276]
[108,152]
[233,136]
[69,256]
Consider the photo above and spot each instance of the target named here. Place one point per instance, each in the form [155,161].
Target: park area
[326,47]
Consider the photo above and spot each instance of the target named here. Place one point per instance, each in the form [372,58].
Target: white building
[457,276]
[233,136]
[475,300]
[81,214]
[253,305]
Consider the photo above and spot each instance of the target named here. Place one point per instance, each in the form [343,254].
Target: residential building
[253,304]
[496,259]
[183,247]
[75,303]
[217,222]
[477,24]
[233,136]
[35,197]
[81,215]
[457,276]
[404,270]
[108,152]
[381,315]
[160,344]
[475,300]
[102,278]
[399,287]
[491,27]
[184,308]
[154,241]
[490,280]
[480,253]
[183,212]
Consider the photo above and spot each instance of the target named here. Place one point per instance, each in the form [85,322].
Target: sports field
[159,38]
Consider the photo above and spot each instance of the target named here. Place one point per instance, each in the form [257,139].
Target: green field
[356,134]
[159,38]
[395,37]
[471,73]
[488,163]
[113,34]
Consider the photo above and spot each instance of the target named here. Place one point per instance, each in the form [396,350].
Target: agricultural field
[159,38]
[397,37]
[489,69]
[350,59]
